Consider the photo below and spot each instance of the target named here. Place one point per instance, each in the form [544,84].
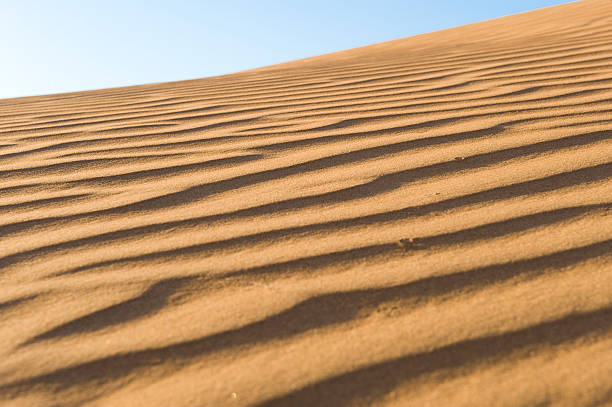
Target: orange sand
[422,222]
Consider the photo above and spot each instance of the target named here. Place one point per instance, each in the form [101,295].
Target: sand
[422,222]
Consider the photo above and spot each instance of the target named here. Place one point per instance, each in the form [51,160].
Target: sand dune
[425,222]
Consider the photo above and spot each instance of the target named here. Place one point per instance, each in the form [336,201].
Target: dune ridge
[426,221]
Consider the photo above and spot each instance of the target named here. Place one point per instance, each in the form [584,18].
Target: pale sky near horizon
[71,45]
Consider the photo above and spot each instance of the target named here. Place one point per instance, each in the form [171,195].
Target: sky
[54,46]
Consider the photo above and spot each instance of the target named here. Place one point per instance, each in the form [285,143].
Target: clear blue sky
[51,46]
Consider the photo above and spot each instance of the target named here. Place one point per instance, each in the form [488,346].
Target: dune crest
[426,221]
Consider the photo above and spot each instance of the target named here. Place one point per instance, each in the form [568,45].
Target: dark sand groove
[483,232]
[369,383]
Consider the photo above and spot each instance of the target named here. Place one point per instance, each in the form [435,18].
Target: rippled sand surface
[422,222]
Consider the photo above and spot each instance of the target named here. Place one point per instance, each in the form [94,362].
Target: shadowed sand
[426,221]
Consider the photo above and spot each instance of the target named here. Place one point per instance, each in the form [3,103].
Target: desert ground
[421,222]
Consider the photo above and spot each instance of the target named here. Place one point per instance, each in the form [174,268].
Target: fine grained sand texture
[422,222]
